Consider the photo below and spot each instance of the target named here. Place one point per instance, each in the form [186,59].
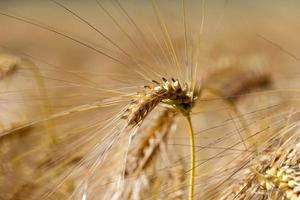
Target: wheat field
[149,99]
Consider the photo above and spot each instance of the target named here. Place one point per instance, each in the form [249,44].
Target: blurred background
[69,54]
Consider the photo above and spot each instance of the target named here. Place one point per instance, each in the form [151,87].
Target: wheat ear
[181,98]
[168,92]
[272,176]
[234,82]
[139,156]
[148,146]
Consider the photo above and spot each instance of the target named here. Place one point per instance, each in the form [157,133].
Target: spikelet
[171,93]
[271,176]
[8,63]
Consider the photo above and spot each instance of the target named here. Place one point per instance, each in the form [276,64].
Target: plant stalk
[192,159]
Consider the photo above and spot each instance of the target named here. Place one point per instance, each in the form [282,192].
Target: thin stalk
[193,158]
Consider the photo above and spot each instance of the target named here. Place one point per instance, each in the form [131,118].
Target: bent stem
[193,158]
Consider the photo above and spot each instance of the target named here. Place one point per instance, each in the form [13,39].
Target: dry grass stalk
[8,63]
[272,176]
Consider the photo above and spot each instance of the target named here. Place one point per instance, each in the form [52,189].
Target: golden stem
[193,159]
